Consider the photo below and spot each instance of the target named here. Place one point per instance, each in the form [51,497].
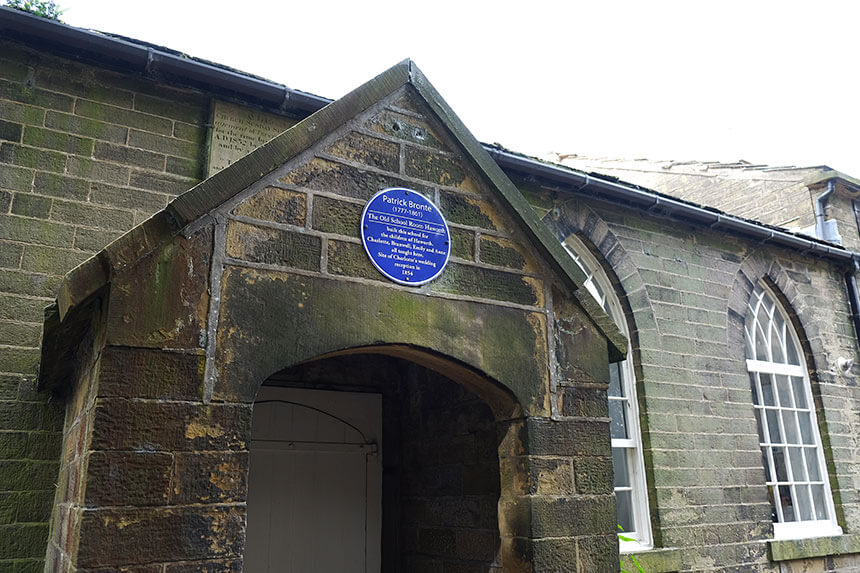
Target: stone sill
[787,549]
[662,560]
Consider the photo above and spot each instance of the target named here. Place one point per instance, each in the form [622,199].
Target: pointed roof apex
[196,204]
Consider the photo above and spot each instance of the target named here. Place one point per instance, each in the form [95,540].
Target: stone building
[201,370]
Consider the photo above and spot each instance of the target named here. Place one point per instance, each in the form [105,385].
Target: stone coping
[657,560]
[788,549]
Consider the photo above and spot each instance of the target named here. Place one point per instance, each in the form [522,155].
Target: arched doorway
[368,462]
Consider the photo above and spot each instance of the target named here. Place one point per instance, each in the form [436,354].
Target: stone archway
[438,442]
[161,342]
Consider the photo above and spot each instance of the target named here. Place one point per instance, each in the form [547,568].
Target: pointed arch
[591,243]
[785,397]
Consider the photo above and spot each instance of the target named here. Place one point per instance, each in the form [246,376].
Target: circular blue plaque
[405,236]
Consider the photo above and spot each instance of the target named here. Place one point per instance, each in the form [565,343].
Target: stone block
[504,253]
[58,141]
[347,180]
[35,231]
[371,151]
[462,243]
[160,534]
[340,217]
[94,170]
[94,240]
[161,182]
[100,217]
[469,211]
[350,259]
[123,117]
[52,261]
[184,167]
[593,475]
[489,283]
[11,131]
[126,198]
[191,111]
[568,437]
[138,158]
[273,246]
[163,300]
[406,128]
[437,541]
[585,402]
[20,540]
[86,127]
[144,373]
[127,478]
[164,144]
[16,179]
[438,168]
[217,477]
[169,426]
[279,206]
[26,114]
[31,206]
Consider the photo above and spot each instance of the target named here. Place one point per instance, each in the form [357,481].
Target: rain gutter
[151,61]
[614,192]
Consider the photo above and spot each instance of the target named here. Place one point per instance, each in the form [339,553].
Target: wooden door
[315,482]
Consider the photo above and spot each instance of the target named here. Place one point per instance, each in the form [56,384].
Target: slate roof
[731,187]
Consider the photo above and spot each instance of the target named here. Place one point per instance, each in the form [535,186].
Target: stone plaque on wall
[237,131]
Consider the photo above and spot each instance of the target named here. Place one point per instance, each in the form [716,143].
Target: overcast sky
[768,82]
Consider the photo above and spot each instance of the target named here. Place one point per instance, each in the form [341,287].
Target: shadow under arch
[447,433]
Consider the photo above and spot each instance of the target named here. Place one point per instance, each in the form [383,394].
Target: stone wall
[686,290]
[85,154]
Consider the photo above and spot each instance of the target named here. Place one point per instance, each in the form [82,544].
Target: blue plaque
[405,236]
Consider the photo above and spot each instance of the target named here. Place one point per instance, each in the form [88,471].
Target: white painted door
[315,482]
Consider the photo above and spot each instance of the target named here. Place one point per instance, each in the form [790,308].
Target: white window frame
[600,287]
[786,335]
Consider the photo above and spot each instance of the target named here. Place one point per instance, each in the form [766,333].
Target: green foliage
[635,562]
[43,8]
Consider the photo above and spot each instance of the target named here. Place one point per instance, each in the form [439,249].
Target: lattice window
[629,468]
[788,430]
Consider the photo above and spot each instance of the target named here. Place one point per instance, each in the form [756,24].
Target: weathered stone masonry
[685,292]
[293,284]
[87,153]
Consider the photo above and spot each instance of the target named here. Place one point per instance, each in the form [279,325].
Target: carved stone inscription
[237,131]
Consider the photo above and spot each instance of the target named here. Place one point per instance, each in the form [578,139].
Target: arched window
[630,489]
[788,430]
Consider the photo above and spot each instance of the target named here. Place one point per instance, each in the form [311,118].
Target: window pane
[615,388]
[776,352]
[791,349]
[789,424]
[818,501]
[620,467]
[766,389]
[812,464]
[760,338]
[766,462]
[805,423]
[787,503]
[779,464]
[797,386]
[783,390]
[759,425]
[618,419]
[624,499]
[795,458]
[804,504]
[772,427]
